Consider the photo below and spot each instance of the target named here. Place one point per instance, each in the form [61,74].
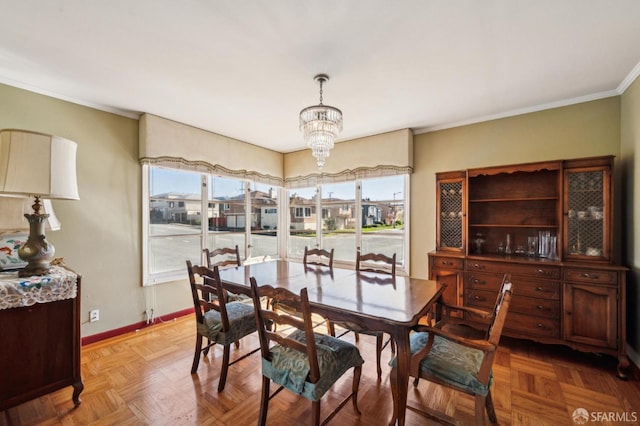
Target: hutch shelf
[549,225]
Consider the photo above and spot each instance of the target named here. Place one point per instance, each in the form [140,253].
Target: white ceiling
[245,69]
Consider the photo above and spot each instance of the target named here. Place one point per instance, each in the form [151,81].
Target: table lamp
[14,228]
[41,166]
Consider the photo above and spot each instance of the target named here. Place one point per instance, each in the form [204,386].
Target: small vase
[553,251]
[479,242]
[508,248]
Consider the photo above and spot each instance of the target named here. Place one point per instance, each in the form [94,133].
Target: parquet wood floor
[143,378]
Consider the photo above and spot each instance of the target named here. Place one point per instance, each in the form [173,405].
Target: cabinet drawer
[447,262]
[546,289]
[527,325]
[538,307]
[590,275]
[546,325]
[534,270]
[524,305]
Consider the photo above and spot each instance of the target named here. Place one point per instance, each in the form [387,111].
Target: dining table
[375,301]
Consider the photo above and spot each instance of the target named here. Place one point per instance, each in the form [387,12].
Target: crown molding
[631,77]
[41,91]
[624,85]
[520,111]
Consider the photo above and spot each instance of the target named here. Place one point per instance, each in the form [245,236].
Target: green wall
[101,233]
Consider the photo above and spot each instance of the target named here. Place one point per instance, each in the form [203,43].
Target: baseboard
[133,327]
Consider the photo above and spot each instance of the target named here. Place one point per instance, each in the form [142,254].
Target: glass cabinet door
[450,210]
[587,213]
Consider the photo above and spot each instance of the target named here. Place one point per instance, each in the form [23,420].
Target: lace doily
[15,292]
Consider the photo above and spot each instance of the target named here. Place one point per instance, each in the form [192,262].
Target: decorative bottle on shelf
[479,242]
[508,249]
[543,241]
[553,250]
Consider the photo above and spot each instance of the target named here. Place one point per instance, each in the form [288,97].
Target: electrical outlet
[94,315]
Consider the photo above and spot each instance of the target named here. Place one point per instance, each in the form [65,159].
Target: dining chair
[225,257]
[318,256]
[222,257]
[376,262]
[464,364]
[302,361]
[379,263]
[220,321]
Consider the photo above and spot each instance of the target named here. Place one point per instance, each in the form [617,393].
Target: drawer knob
[542,271]
[590,276]
[478,266]
[540,307]
[540,325]
[539,289]
[444,262]
[478,298]
[477,281]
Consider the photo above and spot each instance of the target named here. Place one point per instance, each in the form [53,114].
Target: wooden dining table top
[398,300]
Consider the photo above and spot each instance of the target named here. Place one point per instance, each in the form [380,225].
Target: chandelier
[320,125]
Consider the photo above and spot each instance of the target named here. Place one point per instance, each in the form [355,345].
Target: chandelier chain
[321,81]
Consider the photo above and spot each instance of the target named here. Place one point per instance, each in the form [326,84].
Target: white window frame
[403,269]
[304,212]
[149,278]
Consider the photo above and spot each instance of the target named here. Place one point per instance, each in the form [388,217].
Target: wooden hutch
[549,225]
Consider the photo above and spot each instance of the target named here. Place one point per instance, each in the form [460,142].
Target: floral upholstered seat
[219,321]
[442,356]
[290,368]
[301,361]
[242,321]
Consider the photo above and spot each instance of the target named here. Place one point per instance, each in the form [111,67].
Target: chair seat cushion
[290,368]
[242,321]
[234,297]
[286,308]
[451,363]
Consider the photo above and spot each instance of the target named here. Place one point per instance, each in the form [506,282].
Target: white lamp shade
[13,209]
[37,164]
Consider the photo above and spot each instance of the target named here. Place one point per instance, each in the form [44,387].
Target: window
[174,231]
[227,223]
[188,211]
[383,217]
[369,214]
[264,221]
[302,229]
[339,227]
[303,212]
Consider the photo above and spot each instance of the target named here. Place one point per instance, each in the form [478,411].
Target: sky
[180,181]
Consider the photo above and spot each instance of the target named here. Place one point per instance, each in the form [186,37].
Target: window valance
[171,144]
[372,156]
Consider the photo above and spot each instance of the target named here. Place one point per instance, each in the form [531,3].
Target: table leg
[400,381]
